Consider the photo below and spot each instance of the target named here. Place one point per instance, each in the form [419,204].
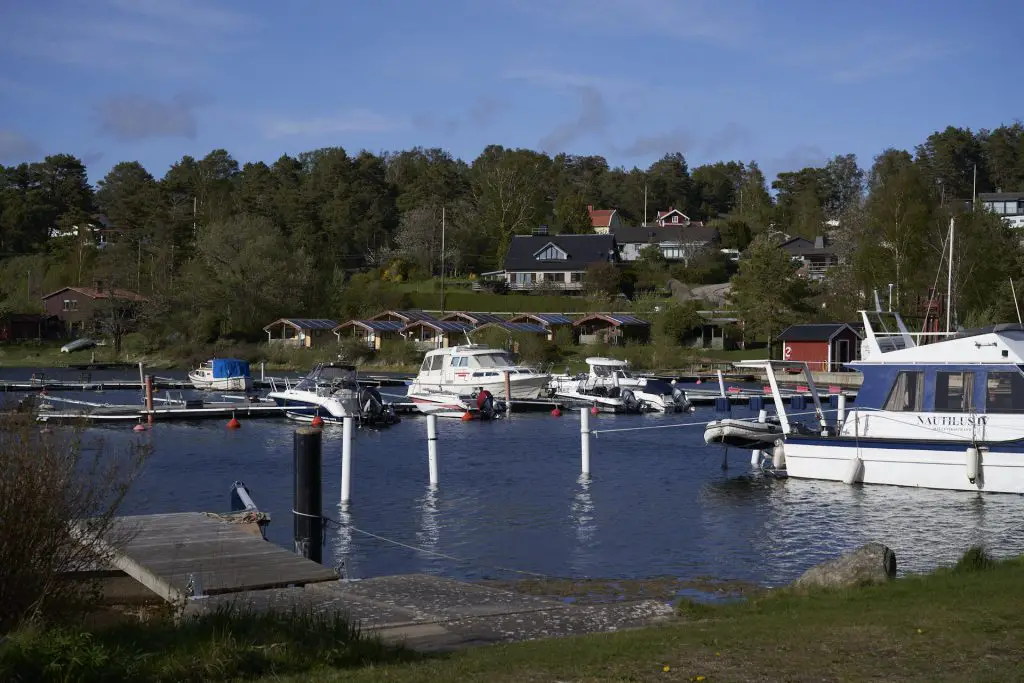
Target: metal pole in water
[148,383]
[755,455]
[346,460]
[508,393]
[585,440]
[841,411]
[721,383]
[142,374]
[263,370]
[306,513]
[432,449]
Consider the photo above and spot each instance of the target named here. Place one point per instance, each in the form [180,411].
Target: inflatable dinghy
[742,433]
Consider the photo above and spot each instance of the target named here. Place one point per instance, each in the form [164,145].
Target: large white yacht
[450,376]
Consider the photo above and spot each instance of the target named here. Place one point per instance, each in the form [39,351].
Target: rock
[872,563]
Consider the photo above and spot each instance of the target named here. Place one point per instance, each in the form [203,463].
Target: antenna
[1015,305]
[878,304]
[949,279]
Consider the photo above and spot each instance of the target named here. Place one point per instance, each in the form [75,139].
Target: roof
[533,328]
[441,325]
[408,316]
[477,318]
[581,251]
[663,214]
[375,325]
[999,196]
[801,246]
[543,318]
[815,332]
[654,234]
[616,319]
[94,293]
[306,323]
[600,218]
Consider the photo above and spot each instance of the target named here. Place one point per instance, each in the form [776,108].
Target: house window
[551,253]
[953,392]
[907,393]
[70,305]
[1004,392]
[576,277]
[554,277]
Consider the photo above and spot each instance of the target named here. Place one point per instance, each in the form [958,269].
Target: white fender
[853,474]
[779,455]
[973,463]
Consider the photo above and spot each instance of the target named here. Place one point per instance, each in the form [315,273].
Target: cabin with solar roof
[306,333]
[373,333]
[611,328]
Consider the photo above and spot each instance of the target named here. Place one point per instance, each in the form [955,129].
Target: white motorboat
[742,433]
[332,392]
[222,374]
[471,369]
[481,405]
[610,382]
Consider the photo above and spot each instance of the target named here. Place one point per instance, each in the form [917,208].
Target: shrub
[354,350]
[974,560]
[58,497]
[399,352]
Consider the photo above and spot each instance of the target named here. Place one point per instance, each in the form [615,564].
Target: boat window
[1004,392]
[458,361]
[492,360]
[426,364]
[907,394]
[436,362]
[601,371]
[954,392]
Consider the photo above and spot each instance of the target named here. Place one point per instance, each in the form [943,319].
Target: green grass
[948,626]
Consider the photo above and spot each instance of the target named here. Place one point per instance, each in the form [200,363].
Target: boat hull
[203,383]
[523,387]
[1000,467]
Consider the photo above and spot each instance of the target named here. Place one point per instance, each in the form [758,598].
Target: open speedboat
[478,405]
[609,384]
[332,392]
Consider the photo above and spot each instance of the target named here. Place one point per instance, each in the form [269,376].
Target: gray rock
[872,563]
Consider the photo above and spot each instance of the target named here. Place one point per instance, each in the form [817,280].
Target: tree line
[221,247]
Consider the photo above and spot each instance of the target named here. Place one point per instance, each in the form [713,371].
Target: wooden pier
[190,554]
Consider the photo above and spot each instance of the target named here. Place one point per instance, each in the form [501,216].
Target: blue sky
[788,83]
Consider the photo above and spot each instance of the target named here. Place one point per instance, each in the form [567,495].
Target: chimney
[819,242]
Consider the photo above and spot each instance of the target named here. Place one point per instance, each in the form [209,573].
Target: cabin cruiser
[609,378]
[472,369]
[942,415]
[222,374]
[332,392]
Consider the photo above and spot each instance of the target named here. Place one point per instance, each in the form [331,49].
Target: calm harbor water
[510,496]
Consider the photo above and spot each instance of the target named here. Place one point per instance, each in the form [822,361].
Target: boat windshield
[490,360]
[329,378]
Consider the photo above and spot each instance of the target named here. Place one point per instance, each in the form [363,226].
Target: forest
[221,248]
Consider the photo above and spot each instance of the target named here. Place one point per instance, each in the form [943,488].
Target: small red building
[823,346]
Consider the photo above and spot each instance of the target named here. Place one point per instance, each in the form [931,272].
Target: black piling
[309,524]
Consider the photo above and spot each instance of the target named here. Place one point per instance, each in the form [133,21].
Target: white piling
[755,455]
[508,393]
[432,448]
[346,460]
[585,440]
[142,375]
[841,411]
[721,383]
[263,370]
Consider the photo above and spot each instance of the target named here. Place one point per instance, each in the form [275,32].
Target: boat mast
[949,280]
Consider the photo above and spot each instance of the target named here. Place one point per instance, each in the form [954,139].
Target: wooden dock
[189,554]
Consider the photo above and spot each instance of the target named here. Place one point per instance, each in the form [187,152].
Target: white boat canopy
[607,362]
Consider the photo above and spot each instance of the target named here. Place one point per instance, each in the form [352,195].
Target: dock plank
[165,550]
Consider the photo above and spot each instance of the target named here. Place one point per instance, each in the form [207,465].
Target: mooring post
[148,383]
[508,393]
[432,449]
[306,513]
[755,455]
[721,383]
[585,440]
[263,370]
[142,375]
[346,460]
[841,411]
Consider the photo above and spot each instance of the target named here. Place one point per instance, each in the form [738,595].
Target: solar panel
[312,323]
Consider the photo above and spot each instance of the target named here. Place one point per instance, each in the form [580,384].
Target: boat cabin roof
[465,350]
[607,362]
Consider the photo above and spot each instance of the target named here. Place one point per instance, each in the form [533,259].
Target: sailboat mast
[949,279]
[442,260]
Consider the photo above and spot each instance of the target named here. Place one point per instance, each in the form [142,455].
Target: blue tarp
[230,367]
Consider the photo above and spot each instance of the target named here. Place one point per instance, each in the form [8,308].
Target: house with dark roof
[304,333]
[611,328]
[604,221]
[676,242]
[1008,205]
[511,328]
[556,262]
[474,319]
[370,332]
[430,334]
[404,317]
[76,307]
[552,322]
[814,258]
[823,346]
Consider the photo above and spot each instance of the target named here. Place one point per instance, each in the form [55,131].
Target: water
[510,496]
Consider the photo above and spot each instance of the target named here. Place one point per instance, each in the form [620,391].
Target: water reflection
[429,532]
[584,524]
[341,543]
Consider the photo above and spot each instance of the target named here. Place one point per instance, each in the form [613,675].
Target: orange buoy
[233,423]
[594,410]
[698,381]
[318,421]
[467,416]
[555,412]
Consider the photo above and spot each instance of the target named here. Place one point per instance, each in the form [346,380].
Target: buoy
[318,421]
[139,428]
[233,423]
[467,416]
[555,412]
[698,381]
[594,410]
[779,455]
[973,463]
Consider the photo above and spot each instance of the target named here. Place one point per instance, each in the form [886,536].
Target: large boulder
[872,563]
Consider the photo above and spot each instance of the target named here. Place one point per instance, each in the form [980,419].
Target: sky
[788,83]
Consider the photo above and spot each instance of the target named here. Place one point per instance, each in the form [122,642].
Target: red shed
[823,346]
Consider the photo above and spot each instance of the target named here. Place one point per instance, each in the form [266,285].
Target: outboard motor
[679,398]
[630,400]
[371,406]
[485,404]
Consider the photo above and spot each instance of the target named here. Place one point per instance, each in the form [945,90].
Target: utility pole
[195,204]
[645,205]
[974,192]
[442,259]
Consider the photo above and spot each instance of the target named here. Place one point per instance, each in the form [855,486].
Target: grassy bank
[947,626]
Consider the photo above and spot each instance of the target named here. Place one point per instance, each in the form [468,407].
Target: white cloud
[353,121]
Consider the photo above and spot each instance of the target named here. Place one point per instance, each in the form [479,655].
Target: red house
[824,346]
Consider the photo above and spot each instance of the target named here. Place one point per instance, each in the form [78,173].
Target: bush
[399,352]
[974,560]
[354,350]
[58,496]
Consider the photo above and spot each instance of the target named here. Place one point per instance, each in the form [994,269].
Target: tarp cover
[230,367]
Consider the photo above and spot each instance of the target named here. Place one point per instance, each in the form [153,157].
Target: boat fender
[779,455]
[855,470]
[973,463]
